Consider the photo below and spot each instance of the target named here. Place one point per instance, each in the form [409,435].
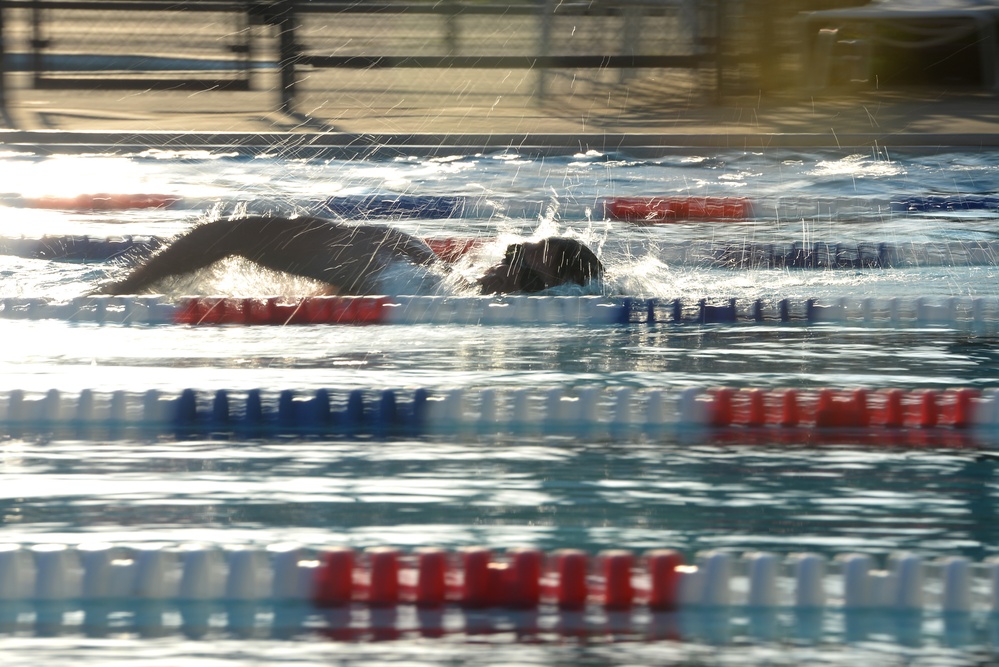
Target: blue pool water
[634,492]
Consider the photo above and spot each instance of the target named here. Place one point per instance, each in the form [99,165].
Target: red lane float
[475,579]
[833,409]
[653,210]
[453,249]
[103,202]
[280,311]
[347,310]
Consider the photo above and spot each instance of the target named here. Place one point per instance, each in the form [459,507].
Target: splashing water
[551,492]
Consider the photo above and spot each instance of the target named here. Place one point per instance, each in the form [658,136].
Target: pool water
[637,491]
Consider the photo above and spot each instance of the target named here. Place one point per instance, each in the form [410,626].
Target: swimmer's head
[533,267]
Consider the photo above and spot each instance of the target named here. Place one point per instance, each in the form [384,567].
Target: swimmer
[352,258]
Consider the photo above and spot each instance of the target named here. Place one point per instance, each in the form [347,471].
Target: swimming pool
[591,490]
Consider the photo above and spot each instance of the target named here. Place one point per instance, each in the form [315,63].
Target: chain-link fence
[123,44]
[534,50]
[469,50]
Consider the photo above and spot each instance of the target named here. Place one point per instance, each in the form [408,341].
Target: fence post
[630,38]
[764,16]
[287,52]
[546,18]
[450,10]
[4,116]
[721,9]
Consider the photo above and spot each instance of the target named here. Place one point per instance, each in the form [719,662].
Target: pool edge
[429,143]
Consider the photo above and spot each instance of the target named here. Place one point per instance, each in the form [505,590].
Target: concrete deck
[350,107]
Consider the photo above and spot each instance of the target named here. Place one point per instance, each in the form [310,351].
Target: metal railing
[528,36]
[123,44]
[224,44]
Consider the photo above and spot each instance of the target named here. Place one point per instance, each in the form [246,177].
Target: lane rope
[642,209]
[81,248]
[103,201]
[978,314]
[476,578]
[960,417]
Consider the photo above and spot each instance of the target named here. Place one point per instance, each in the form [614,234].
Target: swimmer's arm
[197,249]
[418,252]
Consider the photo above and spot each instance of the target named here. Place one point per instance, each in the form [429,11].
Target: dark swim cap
[559,261]
[571,261]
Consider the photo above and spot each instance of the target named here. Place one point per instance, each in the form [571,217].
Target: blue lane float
[945,203]
[396,206]
[382,413]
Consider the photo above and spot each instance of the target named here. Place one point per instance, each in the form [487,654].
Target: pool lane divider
[961,417]
[477,578]
[961,313]
[102,201]
[82,248]
[641,209]
[664,209]
[733,254]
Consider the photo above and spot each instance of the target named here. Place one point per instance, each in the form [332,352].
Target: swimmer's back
[349,258]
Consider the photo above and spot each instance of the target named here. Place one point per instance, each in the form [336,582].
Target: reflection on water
[504,491]
[655,356]
[551,492]
[548,492]
[549,636]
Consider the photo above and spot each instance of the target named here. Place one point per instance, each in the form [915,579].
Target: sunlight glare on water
[592,491]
